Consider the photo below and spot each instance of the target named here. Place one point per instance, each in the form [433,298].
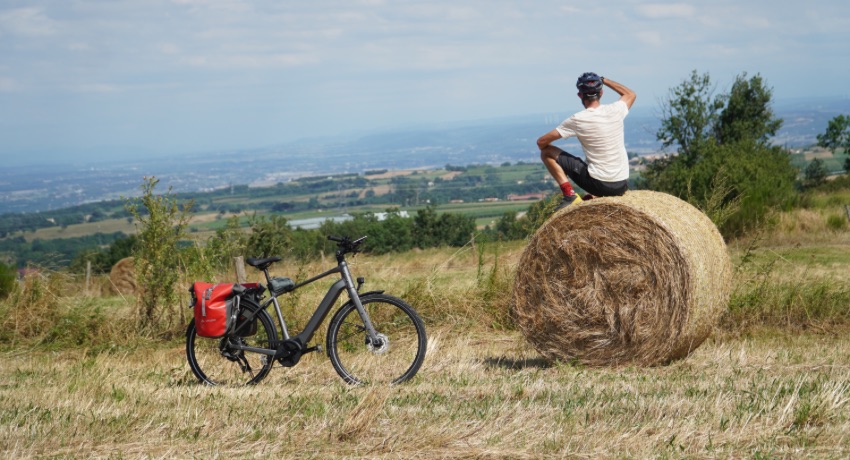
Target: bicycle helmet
[589,83]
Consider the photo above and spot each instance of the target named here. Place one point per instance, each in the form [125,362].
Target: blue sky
[105,79]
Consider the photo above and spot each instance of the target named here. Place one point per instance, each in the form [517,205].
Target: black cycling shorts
[576,169]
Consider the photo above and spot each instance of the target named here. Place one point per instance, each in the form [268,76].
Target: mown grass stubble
[768,387]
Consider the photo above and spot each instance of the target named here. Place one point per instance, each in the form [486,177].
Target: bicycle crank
[289,352]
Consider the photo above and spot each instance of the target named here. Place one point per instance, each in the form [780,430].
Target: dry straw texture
[123,277]
[638,279]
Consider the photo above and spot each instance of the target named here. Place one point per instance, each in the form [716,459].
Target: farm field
[481,394]
[767,384]
[212,210]
[204,224]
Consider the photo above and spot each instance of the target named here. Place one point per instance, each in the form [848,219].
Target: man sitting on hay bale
[599,129]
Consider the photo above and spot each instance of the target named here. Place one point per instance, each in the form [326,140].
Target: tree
[723,139]
[102,261]
[160,228]
[425,225]
[837,136]
[447,229]
[756,178]
[748,114]
[689,114]
[814,174]
[228,242]
[511,227]
[271,237]
[508,227]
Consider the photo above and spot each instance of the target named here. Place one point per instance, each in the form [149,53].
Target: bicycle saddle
[262,264]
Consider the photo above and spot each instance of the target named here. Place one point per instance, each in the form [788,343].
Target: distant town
[48,187]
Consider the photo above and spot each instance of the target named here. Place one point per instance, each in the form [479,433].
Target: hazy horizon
[149,78]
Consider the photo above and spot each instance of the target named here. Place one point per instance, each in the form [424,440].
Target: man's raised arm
[626,95]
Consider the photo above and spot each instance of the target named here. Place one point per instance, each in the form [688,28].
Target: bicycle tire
[213,363]
[394,361]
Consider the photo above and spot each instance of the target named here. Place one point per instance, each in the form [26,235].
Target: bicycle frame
[346,283]
[357,346]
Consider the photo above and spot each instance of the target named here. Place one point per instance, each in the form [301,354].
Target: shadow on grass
[517,364]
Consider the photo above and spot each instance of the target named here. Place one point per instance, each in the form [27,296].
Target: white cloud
[448,58]
[251,61]
[8,85]
[650,37]
[97,88]
[27,22]
[78,46]
[169,48]
[667,10]
[757,22]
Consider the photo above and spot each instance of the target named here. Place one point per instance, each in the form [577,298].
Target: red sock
[567,189]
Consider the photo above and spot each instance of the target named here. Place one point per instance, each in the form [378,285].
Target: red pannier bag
[216,308]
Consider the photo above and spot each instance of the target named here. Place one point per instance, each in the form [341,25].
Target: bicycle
[373,338]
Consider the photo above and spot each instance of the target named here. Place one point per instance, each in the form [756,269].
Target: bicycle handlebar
[346,244]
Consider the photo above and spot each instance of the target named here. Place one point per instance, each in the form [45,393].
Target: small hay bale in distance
[639,279]
[122,277]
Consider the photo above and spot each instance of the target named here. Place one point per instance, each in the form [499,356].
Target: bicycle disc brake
[379,346]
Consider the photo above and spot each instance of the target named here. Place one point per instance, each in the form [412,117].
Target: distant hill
[32,189]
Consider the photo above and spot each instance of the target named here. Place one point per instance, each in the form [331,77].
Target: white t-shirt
[600,131]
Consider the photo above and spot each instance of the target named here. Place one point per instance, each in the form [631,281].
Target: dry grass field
[772,382]
[481,394]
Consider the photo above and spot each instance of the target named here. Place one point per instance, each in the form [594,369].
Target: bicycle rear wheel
[216,362]
[398,355]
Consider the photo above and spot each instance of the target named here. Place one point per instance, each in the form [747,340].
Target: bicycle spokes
[393,356]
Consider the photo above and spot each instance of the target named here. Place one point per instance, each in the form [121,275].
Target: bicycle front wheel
[217,362]
[398,353]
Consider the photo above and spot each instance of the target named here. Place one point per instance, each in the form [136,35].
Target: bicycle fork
[355,298]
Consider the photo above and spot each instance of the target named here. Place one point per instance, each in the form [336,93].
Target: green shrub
[162,222]
[31,309]
[836,222]
[8,277]
[46,310]
[80,322]
[788,304]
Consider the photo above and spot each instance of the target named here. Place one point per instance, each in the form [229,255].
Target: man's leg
[550,155]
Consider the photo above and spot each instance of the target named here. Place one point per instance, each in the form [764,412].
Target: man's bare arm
[549,154]
[546,139]
[626,95]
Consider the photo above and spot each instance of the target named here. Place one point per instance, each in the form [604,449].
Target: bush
[8,280]
[787,304]
[46,309]
[33,309]
[269,237]
[156,258]
[724,139]
[836,222]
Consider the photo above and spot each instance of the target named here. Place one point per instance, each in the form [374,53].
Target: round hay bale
[639,279]
[122,277]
